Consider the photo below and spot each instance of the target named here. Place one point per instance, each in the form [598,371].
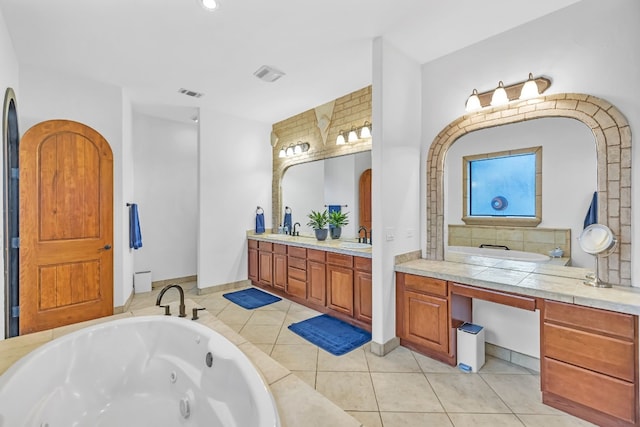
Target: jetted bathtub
[141,371]
[498,253]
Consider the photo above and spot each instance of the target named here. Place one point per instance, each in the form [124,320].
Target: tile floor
[403,388]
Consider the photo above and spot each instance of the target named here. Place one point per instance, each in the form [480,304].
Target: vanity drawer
[315,255]
[297,273]
[297,252]
[265,246]
[425,284]
[297,288]
[298,263]
[362,264]
[600,353]
[279,249]
[339,259]
[253,244]
[593,319]
[600,392]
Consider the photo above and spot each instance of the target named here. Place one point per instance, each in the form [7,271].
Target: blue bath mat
[330,334]
[251,298]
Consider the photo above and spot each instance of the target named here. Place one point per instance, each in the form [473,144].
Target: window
[503,188]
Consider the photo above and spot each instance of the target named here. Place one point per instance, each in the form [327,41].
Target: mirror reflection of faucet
[364,239]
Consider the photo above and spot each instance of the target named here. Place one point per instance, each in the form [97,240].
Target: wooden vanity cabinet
[589,363]
[253,261]
[316,289]
[279,266]
[340,283]
[362,292]
[265,263]
[422,313]
[296,272]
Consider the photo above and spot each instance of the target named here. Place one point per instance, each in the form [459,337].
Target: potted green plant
[337,220]
[318,221]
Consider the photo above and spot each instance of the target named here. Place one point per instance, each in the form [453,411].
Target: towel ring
[259,210]
[287,209]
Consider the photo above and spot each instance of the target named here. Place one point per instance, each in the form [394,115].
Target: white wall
[568,169]
[8,79]
[234,178]
[47,95]
[591,47]
[165,157]
[396,175]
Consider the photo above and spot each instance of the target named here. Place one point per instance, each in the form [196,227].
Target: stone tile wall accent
[528,239]
[613,146]
[351,110]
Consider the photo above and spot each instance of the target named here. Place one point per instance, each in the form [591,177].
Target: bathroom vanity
[320,275]
[589,336]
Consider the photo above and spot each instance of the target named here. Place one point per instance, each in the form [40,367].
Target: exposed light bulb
[530,89]
[473,103]
[499,95]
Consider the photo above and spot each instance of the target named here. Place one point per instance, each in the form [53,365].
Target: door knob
[107,247]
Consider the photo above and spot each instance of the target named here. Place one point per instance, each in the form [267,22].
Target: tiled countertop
[554,282]
[329,245]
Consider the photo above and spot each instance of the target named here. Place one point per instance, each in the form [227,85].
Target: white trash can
[142,282]
[470,347]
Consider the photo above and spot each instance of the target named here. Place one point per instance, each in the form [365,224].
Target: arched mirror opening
[612,173]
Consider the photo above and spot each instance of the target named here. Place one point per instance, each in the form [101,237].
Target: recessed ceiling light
[209,5]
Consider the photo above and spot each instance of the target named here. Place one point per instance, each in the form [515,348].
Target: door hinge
[15,311]
[15,173]
[15,242]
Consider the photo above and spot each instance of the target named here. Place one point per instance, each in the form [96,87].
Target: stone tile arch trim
[613,147]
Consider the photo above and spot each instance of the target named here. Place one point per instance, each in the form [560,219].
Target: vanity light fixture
[301,147]
[340,139]
[365,130]
[293,150]
[283,153]
[289,151]
[353,136]
[499,96]
[529,89]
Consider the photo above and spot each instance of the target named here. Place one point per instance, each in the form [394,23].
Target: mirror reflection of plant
[318,220]
[338,218]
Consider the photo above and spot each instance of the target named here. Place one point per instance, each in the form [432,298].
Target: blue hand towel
[259,223]
[288,222]
[592,213]
[135,236]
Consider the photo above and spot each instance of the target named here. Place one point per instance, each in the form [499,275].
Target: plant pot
[335,232]
[321,234]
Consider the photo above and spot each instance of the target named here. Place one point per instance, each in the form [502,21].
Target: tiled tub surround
[613,147]
[528,239]
[401,389]
[588,336]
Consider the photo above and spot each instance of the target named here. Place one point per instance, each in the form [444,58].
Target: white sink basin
[354,245]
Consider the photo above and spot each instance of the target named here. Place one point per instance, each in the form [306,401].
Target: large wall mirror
[332,181]
[606,124]
[569,171]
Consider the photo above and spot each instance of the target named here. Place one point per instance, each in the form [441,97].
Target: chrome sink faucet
[161,294]
[295,233]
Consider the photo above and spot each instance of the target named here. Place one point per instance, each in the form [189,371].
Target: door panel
[364,187]
[66,226]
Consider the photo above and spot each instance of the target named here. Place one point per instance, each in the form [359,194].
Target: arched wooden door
[364,195]
[66,225]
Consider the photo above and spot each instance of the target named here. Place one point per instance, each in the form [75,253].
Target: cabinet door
[340,289]
[253,264]
[265,265]
[362,296]
[279,271]
[425,321]
[317,286]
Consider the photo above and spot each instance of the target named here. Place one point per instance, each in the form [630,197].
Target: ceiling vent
[190,92]
[268,74]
